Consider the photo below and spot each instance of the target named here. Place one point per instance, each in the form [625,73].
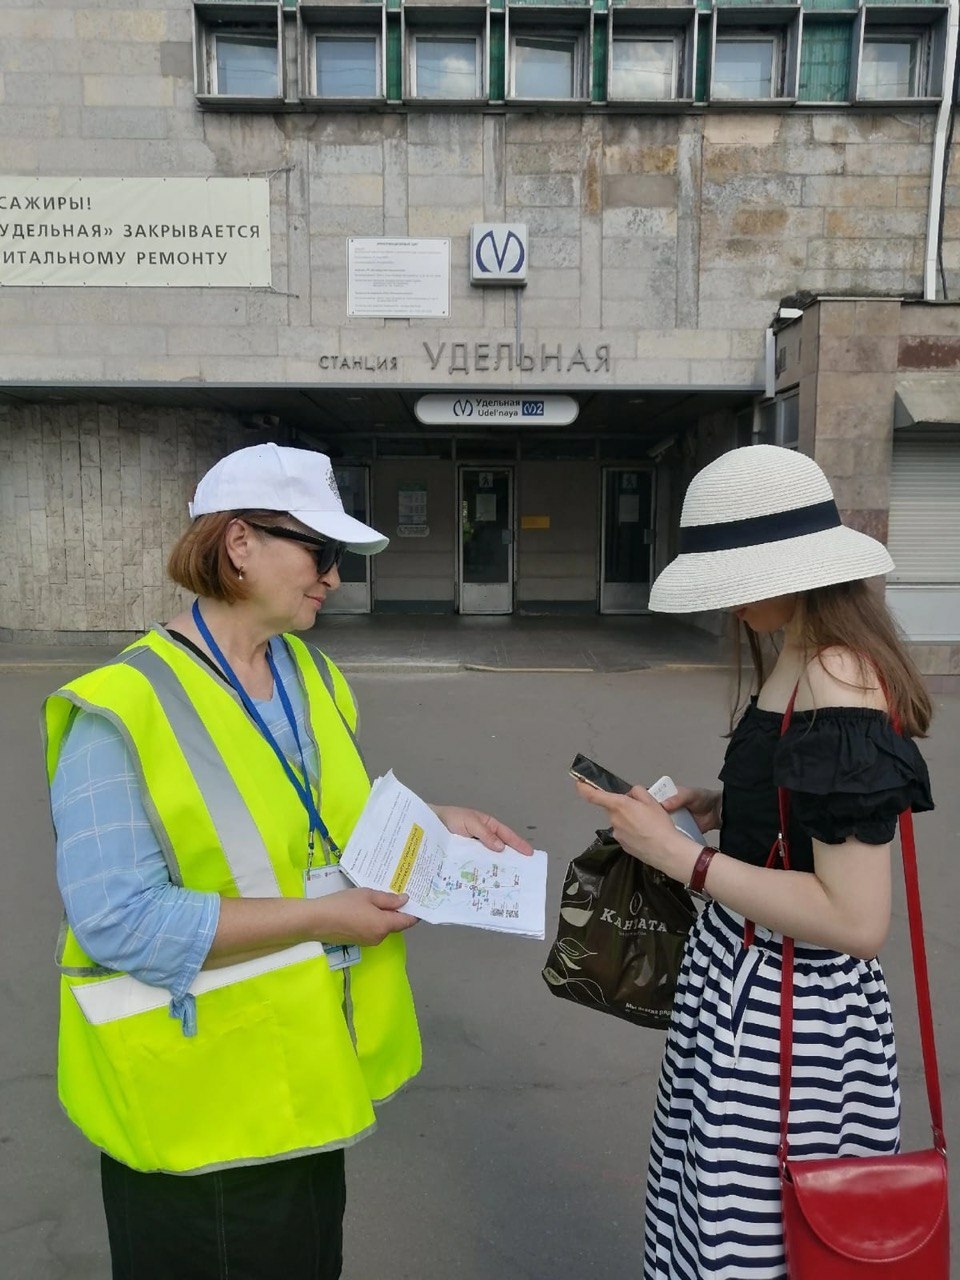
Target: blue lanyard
[302,788]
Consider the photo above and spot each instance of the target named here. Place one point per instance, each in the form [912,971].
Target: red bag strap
[921,977]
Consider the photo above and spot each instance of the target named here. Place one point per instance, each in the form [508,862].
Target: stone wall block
[533,158]
[887,157]
[775,192]
[860,354]
[127,91]
[39,25]
[689,344]
[860,255]
[438,220]
[549,190]
[545,220]
[628,191]
[853,128]
[357,190]
[341,161]
[447,191]
[827,192]
[920,320]
[537,127]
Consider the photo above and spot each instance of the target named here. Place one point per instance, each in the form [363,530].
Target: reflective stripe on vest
[243,848]
[124,997]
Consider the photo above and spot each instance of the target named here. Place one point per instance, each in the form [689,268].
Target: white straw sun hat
[270,477]
[761,522]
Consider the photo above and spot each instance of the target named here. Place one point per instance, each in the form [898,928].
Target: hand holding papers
[399,844]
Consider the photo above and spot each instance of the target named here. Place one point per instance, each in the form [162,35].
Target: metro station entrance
[485,543]
[627,539]
[353,595]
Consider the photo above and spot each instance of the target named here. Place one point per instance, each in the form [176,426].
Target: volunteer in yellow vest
[231,1010]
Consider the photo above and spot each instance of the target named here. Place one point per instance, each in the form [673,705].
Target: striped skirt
[713,1195]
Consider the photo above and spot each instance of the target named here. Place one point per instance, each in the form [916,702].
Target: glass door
[354,593]
[486,540]
[627,542]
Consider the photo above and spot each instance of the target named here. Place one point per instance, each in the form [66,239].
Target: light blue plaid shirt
[117,893]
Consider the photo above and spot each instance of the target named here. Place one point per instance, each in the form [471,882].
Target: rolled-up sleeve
[119,899]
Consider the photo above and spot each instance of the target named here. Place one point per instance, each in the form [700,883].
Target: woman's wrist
[679,857]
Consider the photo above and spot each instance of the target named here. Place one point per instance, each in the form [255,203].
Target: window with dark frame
[747,65]
[645,66]
[892,64]
[446,65]
[242,62]
[347,64]
[547,67]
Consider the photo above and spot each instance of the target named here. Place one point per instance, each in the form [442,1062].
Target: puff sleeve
[850,774]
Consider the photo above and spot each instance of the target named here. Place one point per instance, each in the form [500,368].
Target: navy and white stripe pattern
[713,1196]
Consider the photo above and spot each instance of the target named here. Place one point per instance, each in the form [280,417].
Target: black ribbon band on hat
[760,529]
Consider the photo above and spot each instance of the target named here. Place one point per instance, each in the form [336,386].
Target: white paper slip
[400,845]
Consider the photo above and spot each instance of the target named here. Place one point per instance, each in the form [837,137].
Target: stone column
[851,375]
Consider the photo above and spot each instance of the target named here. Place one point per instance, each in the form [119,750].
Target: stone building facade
[674,234]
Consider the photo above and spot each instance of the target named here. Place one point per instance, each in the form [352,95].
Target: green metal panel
[703,62]
[498,57]
[825,60]
[599,60]
[394,57]
[811,6]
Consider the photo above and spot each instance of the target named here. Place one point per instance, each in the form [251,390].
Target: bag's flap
[872,1208]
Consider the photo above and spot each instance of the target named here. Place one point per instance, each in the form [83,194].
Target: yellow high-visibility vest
[289,1056]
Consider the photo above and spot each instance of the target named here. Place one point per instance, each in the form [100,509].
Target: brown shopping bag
[620,935]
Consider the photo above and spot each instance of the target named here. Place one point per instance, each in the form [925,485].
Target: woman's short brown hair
[199,561]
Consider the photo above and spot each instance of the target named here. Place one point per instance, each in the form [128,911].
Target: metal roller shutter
[924,537]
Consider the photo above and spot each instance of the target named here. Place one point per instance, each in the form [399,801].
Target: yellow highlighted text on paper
[409,856]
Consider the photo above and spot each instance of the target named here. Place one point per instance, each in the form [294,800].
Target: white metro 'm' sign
[450,410]
[498,253]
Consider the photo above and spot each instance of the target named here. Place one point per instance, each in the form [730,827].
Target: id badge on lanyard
[318,882]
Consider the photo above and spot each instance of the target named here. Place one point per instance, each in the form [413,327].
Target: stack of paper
[399,844]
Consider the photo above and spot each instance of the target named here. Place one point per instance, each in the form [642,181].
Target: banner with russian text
[142,232]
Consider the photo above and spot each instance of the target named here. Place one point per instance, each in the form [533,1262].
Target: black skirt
[256,1222]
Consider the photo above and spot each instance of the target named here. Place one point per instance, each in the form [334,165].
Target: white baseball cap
[271,477]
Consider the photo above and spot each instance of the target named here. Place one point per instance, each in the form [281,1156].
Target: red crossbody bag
[849,1217]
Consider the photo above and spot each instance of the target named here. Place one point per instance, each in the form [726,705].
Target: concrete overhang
[325,415]
[927,400]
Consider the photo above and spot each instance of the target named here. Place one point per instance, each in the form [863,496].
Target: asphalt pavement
[519,1152]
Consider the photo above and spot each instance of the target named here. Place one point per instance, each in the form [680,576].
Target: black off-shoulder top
[848,771]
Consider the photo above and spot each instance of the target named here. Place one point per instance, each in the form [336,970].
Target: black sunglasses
[326,553]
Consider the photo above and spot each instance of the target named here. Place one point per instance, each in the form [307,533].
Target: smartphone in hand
[595,775]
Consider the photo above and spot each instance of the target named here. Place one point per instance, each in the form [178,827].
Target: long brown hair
[854,616]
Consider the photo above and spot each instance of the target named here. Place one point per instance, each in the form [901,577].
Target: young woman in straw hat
[760,535]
